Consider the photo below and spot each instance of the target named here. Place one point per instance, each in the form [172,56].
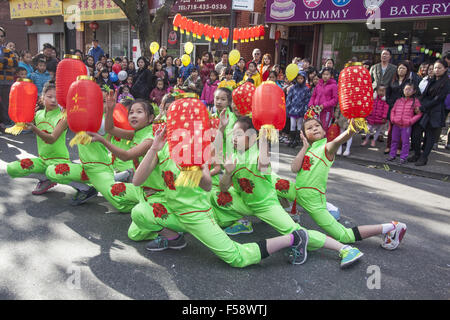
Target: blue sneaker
[297,254]
[240,226]
[349,255]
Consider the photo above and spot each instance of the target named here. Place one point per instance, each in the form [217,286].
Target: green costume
[120,165]
[257,193]
[311,185]
[49,154]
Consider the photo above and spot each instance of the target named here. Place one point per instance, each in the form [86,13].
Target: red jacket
[379,112]
[402,114]
[325,94]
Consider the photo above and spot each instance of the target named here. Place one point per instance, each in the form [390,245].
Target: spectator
[129,81]
[280,75]
[223,64]
[26,60]
[172,71]
[124,64]
[124,93]
[104,79]
[311,73]
[367,64]
[96,51]
[273,77]
[160,73]
[228,81]
[159,91]
[12,47]
[143,80]
[378,117]
[179,85]
[306,63]
[40,76]
[265,67]
[325,96]
[78,52]
[330,65]
[177,62]
[98,69]
[423,84]
[382,73]
[46,54]
[206,66]
[90,62]
[160,56]
[433,109]
[131,68]
[193,83]
[423,70]
[256,54]
[103,60]
[239,71]
[109,64]
[185,71]
[252,73]
[413,75]
[21,73]
[208,90]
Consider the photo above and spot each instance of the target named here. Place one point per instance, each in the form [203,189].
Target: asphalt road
[51,250]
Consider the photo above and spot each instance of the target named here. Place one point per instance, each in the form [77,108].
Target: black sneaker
[162,243]
[421,162]
[83,196]
[297,253]
[412,158]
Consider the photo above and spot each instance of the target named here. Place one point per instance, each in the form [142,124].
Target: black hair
[330,59]
[41,61]
[123,87]
[388,50]
[48,46]
[326,69]
[148,108]
[308,120]
[49,85]
[24,52]
[127,103]
[250,80]
[246,123]
[224,52]
[228,70]
[273,72]
[18,69]
[104,70]
[308,60]
[256,66]
[228,93]
[215,73]
[118,59]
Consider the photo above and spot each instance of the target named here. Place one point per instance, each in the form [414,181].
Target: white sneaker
[346,153]
[339,152]
[392,239]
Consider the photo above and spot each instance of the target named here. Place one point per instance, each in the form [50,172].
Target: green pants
[25,167]
[285,188]
[151,216]
[229,208]
[315,204]
[100,176]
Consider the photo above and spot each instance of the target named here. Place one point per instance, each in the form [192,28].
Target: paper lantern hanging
[209,32]
[22,104]
[355,94]
[94,25]
[201,30]
[67,72]
[195,29]
[262,32]
[187,122]
[84,109]
[216,34]
[269,110]
[28,22]
[242,98]
[183,24]
[224,33]
[176,21]
[235,35]
[120,117]
[241,35]
[48,21]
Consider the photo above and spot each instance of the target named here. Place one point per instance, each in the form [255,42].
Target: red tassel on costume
[294,207]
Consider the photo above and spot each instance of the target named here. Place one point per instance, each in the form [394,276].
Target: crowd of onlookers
[407,103]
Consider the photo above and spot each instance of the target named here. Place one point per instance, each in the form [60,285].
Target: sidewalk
[438,166]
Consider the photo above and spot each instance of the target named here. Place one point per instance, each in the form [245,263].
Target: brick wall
[16,31]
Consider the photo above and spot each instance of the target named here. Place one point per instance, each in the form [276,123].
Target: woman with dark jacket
[172,71]
[433,109]
[143,80]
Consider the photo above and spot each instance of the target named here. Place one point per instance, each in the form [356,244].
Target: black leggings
[429,141]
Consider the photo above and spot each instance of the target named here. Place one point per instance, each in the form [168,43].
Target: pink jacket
[325,94]
[402,114]
[379,112]
[156,95]
[208,91]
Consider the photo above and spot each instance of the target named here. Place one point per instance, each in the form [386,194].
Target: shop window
[119,39]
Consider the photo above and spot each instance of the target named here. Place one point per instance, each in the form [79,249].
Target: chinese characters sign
[34,8]
[92,10]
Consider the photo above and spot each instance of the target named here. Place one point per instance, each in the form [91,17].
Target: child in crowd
[21,73]
[252,73]
[378,117]
[158,93]
[296,107]
[228,81]
[124,93]
[26,61]
[40,76]
[403,115]
[208,90]
[103,79]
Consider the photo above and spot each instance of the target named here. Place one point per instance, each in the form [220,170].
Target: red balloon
[67,72]
[22,101]
[269,106]
[355,92]
[333,132]
[120,117]
[242,98]
[84,105]
[116,68]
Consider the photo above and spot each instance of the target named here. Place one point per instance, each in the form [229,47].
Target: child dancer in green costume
[50,132]
[312,164]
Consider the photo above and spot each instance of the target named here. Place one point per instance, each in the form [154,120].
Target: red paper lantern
[195,29]
[120,117]
[189,26]
[22,103]
[158,125]
[225,33]
[216,34]
[94,25]
[84,108]
[201,30]
[277,35]
[28,22]
[242,98]
[241,34]
[116,68]
[183,24]
[67,72]
[333,132]
[355,93]
[48,21]
[262,32]
[209,32]
[269,110]
[176,21]
[189,138]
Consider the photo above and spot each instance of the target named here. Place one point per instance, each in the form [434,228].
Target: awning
[20,9]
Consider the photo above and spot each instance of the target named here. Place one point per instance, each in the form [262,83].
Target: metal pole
[232,24]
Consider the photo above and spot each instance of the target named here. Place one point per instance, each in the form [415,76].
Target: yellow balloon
[185,59]
[188,47]
[292,71]
[234,57]
[154,47]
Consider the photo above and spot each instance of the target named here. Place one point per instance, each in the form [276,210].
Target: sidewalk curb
[398,168]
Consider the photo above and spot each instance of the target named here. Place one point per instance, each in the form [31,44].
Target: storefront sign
[245,5]
[90,10]
[319,11]
[194,6]
[34,8]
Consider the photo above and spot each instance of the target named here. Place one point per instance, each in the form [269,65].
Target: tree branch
[163,12]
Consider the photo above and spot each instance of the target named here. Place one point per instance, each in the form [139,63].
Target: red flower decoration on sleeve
[169,179]
[282,185]
[118,189]
[26,164]
[62,168]
[224,199]
[246,185]
[160,211]
[306,163]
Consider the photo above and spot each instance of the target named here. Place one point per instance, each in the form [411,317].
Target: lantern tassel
[80,138]
[269,132]
[359,124]
[16,129]
[189,177]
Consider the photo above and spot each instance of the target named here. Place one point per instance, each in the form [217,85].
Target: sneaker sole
[355,259]
[240,232]
[306,250]
[36,193]
[83,201]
